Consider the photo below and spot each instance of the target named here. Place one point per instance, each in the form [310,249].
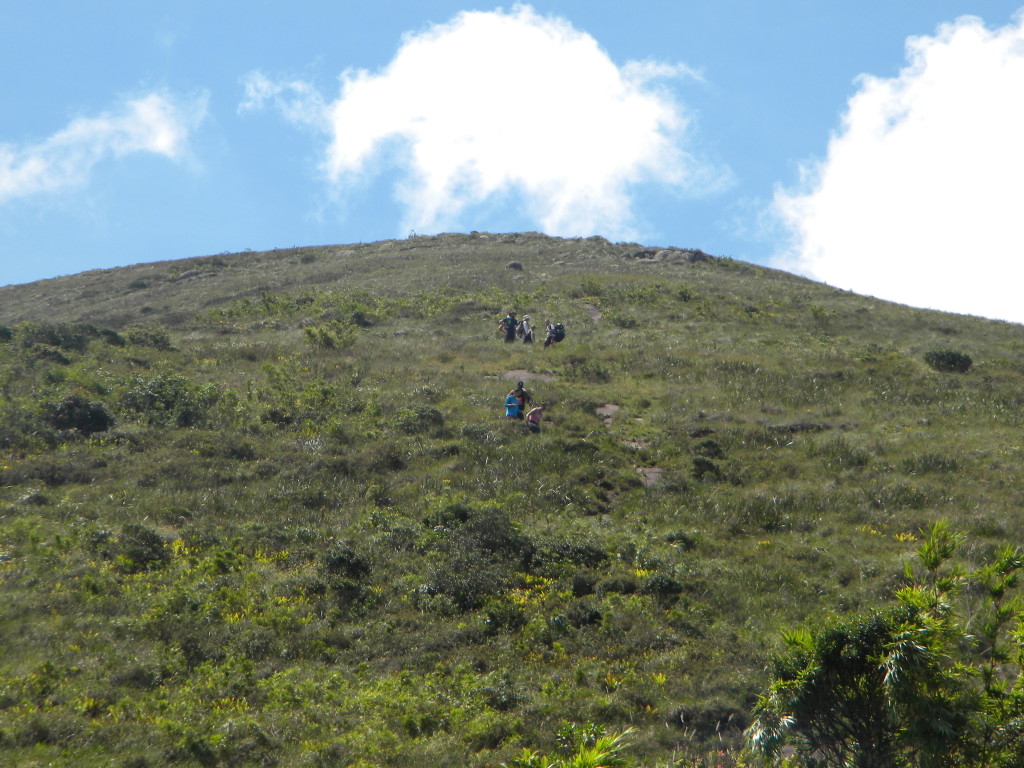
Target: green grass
[310,539]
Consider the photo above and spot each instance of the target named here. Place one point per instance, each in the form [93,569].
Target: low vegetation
[264,509]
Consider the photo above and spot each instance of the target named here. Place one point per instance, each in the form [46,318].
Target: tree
[912,684]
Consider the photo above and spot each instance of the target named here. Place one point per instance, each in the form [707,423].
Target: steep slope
[264,507]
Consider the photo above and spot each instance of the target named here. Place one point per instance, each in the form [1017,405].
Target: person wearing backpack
[553,333]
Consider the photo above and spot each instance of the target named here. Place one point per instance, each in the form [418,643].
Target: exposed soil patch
[606,412]
[636,445]
[649,475]
[594,312]
[518,374]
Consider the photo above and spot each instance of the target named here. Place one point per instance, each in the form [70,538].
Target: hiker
[553,333]
[526,330]
[533,418]
[522,398]
[511,407]
[509,324]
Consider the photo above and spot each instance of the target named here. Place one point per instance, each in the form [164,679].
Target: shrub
[335,336]
[112,337]
[419,419]
[490,531]
[504,617]
[622,585]
[75,412]
[149,335]
[340,559]
[704,467]
[661,586]
[169,397]
[709,449]
[583,584]
[140,549]
[948,360]
[467,580]
[71,337]
[578,552]
[583,614]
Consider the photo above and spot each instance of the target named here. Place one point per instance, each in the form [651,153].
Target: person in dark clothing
[508,324]
[522,397]
[526,330]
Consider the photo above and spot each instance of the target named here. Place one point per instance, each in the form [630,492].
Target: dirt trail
[649,476]
[521,374]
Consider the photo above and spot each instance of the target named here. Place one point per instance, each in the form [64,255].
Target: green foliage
[334,336]
[139,549]
[948,360]
[419,419]
[165,397]
[293,553]
[148,335]
[341,559]
[583,747]
[907,684]
[70,337]
[76,412]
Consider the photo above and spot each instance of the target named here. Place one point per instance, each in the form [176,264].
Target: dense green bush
[167,397]
[148,335]
[70,337]
[76,412]
[341,559]
[948,360]
[139,548]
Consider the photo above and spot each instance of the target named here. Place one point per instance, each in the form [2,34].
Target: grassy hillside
[263,508]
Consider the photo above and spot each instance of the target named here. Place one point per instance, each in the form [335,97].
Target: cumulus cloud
[919,198]
[155,124]
[506,106]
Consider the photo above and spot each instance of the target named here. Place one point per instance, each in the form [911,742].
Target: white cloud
[155,124]
[299,102]
[506,106]
[919,199]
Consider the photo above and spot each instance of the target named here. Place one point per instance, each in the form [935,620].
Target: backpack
[559,331]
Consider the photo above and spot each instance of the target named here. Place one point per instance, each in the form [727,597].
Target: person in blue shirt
[511,407]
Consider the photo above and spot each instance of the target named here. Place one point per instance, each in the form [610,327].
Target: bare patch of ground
[519,374]
[606,412]
[636,445]
[649,475]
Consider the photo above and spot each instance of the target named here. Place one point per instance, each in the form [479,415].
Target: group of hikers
[526,331]
[518,400]
[516,403]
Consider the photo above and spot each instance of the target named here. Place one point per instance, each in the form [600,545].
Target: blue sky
[875,146]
